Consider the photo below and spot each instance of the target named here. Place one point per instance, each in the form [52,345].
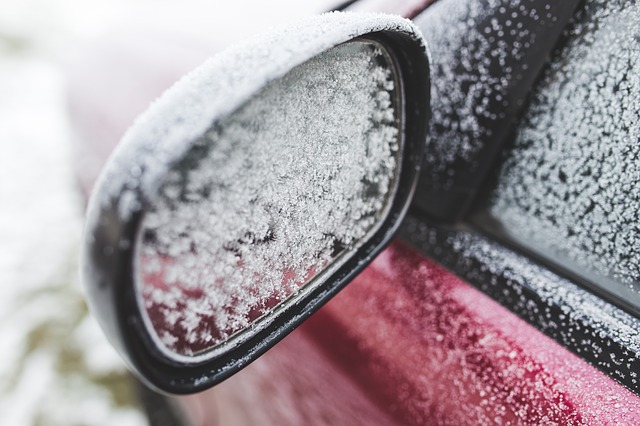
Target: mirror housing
[166,133]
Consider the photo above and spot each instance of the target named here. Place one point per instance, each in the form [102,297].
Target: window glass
[570,187]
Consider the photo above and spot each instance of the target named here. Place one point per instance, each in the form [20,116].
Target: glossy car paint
[406,343]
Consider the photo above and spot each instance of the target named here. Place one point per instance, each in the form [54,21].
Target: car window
[569,188]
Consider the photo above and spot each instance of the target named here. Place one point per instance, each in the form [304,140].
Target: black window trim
[563,318]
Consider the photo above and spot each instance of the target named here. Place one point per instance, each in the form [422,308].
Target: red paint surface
[409,343]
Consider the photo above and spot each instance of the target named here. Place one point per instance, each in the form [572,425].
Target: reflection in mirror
[270,200]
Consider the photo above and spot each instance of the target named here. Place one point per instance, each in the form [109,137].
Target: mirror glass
[270,200]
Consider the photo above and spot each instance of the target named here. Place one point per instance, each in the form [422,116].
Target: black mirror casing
[119,202]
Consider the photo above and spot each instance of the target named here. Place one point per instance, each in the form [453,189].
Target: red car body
[407,342]
[410,343]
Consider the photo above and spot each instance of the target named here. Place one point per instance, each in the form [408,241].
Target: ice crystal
[216,88]
[469,42]
[570,186]
[270,196]
[178,127]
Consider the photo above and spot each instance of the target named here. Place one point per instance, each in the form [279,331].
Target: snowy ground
[55,366]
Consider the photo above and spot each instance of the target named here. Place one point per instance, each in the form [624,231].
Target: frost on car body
[424,348]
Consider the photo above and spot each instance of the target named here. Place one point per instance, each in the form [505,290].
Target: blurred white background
[55,366]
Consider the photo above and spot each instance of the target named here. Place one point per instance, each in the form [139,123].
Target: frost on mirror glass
[269,198]
[571,184]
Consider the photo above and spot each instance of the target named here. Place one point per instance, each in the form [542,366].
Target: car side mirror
[252,191]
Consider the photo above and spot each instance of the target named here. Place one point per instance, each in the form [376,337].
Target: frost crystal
[468,95]
[270,196]
[570,185]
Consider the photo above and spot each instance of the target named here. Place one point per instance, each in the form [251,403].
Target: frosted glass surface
[269,198]
[570,185]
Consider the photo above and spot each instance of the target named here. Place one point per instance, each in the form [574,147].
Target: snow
[269,197]
[570,185]
[40,300]
[215,89]
[405,8]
